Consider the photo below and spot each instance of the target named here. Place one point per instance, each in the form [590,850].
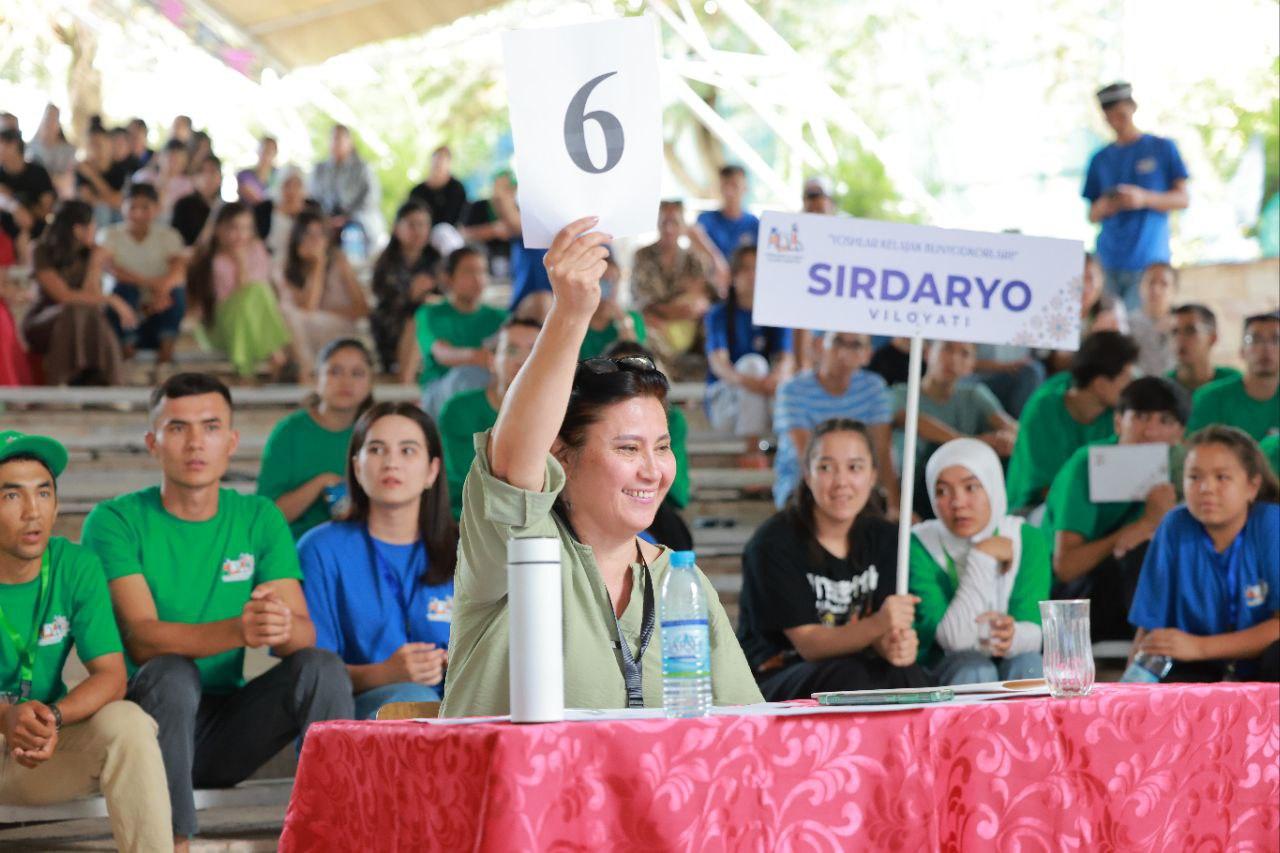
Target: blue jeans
[974,667]
[1123,285]
[1014,389]
[153,328]
[368,702]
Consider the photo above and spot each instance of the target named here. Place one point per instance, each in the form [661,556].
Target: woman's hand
[421,663]
[1173,643]
[1002,628]
[897,613]
[575,263]
[1000,548]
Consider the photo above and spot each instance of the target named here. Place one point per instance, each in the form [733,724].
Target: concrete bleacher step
[258,792]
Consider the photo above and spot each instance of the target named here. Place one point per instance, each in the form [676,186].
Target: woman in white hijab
[980,573]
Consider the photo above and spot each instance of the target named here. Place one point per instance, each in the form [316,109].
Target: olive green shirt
[494,511]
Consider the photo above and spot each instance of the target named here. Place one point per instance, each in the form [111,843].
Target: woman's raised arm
[534,406]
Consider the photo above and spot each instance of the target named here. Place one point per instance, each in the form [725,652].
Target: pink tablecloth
[1128,768]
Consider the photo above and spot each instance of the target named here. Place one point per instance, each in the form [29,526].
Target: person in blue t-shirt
[720,233]
[1209,593]
[1131,185]
[379,585]
[746,362]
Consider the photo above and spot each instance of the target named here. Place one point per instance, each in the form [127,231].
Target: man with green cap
[58,745]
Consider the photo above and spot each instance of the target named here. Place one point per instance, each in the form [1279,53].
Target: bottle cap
[682,559]
[542,549]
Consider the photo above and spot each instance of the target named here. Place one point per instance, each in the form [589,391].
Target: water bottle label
[1135,674]
[686,649]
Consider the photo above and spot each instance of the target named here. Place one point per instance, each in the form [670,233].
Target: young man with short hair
[442,193]
[474,411]
[719,233]
[197,574]
[1098,547]
[1195,331]
[1060,418]
[26,190]
[1131,186]
[56,745]
[193,212]
[1252,401]
[149,262]
[837,387]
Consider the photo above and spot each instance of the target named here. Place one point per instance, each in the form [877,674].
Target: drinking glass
[1068,652]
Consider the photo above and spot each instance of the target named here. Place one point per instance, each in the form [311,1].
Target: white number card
[586,120]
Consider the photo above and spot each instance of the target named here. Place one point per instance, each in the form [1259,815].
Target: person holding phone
[979,572]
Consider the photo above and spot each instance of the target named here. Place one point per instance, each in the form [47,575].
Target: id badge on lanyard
[27,651]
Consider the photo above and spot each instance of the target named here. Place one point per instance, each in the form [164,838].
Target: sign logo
[440,609]
[239,569]
[1255,596]
[783,242]
[54,631]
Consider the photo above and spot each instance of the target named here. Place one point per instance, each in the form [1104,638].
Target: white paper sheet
[586,120]
[1126,472]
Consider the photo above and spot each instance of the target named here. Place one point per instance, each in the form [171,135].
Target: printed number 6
[575,140]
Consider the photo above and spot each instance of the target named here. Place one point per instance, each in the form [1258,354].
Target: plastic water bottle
[1147,669]
[686,641]
[355,245]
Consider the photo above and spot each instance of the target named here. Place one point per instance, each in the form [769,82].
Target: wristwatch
[57,716]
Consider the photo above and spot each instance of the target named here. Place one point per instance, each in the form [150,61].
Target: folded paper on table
[1126,472]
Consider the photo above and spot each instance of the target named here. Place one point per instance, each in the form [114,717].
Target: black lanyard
[632,671]
[375,563]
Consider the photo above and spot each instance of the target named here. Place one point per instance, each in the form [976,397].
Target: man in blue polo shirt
[720,233]
[1131,185]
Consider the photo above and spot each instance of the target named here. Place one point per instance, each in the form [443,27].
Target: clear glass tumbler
[1068,651]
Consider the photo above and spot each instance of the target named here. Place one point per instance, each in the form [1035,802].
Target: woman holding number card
[580,452]
[818,610]
[980,572]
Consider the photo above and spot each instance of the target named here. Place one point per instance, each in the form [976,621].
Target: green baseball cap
[46,449]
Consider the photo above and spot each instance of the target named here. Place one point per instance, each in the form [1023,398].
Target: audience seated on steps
[1060,417]
[58,745]
[379,582]
[1098,547]
[405,275]
[838,387]
[952,405]
[611,322]
[304,461]
[1195,331]
[980,573]
[198,573]
[1209,593]
[746,362]
[818,610]
[1252,401]
[451,334]
[670,285]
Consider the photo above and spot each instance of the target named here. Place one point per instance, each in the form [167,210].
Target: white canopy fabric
[304,32]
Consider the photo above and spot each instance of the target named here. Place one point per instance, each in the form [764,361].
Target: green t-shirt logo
[54,631]
[240,569]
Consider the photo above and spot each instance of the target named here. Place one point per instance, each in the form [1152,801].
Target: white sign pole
[908,487]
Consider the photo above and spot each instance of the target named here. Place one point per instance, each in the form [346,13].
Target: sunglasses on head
[601,365]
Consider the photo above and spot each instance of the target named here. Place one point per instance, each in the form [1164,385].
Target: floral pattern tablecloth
[1127,768]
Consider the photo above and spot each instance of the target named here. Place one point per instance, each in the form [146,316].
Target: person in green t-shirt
[1271,449]
[1250,402]
[57,745]
[1195,331]
[476,410]
[197,574]
[980,573]
[611,323]
[451,334]
[1098,547]
[1058,418]
[305,459]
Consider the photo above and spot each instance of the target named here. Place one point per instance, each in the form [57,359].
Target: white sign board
[1126,472]
[887,278]
[586,120]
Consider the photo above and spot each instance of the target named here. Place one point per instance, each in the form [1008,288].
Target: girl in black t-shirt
[817,612]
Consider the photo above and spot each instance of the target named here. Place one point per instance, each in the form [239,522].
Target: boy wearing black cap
[56,744]
[1098,547]
[1131,185]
